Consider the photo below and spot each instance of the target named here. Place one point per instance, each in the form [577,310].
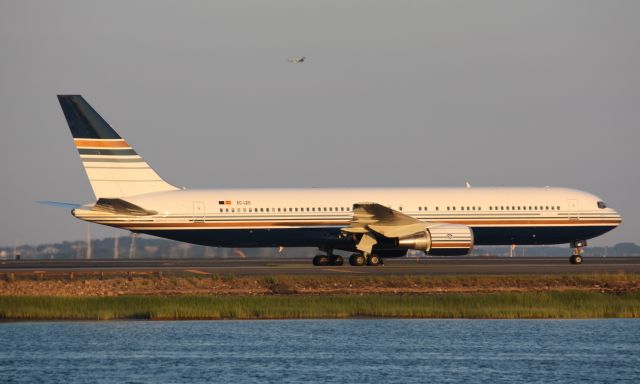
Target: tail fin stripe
[107,152]
[111,160]
[102,143]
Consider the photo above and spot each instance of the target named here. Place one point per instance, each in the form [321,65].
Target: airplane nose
[617,215]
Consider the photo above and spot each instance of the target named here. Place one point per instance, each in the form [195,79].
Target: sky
[393,93]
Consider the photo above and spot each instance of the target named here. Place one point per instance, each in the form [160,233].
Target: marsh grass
[530,305]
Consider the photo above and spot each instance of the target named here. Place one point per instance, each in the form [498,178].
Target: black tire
[373,260]
[338,260]
[357,260]
[577,259]
[352,260]
[316,260]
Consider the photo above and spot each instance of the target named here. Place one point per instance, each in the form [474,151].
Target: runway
[402,266]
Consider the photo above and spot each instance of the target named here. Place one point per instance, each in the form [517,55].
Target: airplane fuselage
[314,217]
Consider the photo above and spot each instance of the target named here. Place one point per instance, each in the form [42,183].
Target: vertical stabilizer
[114,169]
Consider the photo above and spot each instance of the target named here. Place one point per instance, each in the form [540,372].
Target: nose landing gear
[577,251]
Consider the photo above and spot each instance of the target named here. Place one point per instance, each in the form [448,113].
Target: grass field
[502,305]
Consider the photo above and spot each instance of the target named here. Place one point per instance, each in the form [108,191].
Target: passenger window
[437,208]
[602,205]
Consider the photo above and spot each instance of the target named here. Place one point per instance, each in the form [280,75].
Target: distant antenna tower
[16,255]
[89,248]
[132,247]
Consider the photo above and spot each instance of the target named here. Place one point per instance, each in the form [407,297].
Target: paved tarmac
[278,266]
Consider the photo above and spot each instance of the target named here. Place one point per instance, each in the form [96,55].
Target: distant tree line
[160,248]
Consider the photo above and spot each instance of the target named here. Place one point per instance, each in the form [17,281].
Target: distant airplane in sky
[373,223]
[297,60]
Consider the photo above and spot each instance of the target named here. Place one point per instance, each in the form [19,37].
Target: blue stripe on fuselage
[330,236]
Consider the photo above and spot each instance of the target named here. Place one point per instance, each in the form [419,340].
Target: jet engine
[441,240]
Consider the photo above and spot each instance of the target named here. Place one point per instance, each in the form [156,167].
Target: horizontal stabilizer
[60,204]
[121,207]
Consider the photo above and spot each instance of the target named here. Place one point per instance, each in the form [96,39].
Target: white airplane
[373,223]
[296,60]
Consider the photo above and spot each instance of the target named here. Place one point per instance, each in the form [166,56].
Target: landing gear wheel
[577,246]
[320,260]
[373,260]
[357,260]
[576,259]
[338,260]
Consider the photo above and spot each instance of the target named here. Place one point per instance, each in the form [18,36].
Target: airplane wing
[372,220]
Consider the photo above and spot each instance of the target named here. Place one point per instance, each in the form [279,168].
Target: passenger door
[198,211]
[574,212]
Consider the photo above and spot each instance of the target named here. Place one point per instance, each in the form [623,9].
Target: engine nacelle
[441,240]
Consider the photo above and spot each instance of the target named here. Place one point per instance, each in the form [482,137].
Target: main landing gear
[359,259]
[356,259]
[577,251]
[328,259]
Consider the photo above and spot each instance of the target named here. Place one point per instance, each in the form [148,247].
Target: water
[323,351]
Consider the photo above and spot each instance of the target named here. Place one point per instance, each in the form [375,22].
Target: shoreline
[95,284]
[187,296]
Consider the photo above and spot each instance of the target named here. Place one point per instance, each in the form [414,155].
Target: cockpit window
[602,205]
